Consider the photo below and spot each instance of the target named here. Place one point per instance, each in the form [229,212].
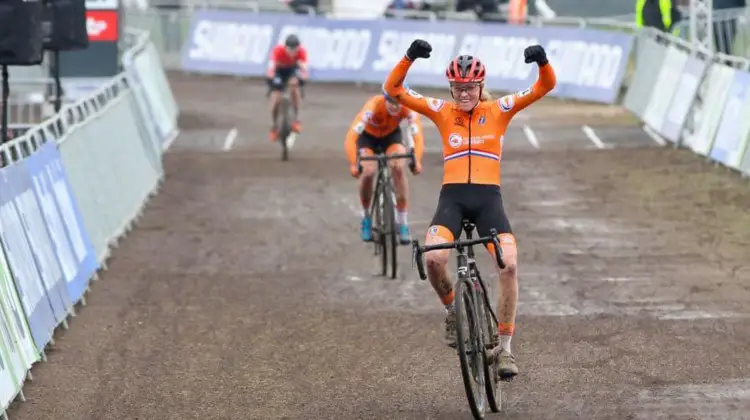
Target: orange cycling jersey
[472,142]
[375,120]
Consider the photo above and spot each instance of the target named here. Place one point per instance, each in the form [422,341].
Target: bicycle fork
[485,318]
[467,272]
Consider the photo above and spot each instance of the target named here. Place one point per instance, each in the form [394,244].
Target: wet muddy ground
[245,292]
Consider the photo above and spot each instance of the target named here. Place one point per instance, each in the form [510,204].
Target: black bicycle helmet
[292,41]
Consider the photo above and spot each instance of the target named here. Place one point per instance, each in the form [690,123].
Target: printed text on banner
[590,64]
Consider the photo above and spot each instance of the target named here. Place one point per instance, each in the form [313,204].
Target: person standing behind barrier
[517,12]
[659,14]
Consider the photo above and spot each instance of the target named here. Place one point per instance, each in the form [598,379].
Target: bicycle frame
[477,349]
[466,264]
[473,271]
[461,246]
[384,174]
[383,210]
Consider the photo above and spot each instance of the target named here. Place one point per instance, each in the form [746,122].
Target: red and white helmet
[465,69]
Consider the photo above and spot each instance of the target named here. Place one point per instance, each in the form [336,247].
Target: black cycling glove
[535,53]
[419,49]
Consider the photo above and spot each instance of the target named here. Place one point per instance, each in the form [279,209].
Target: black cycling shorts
[480,204]
[281,78]
[379,145]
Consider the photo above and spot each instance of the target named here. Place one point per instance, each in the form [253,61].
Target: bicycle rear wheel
[470,352]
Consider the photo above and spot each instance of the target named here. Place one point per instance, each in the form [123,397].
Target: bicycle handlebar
[386,158]
[458,244]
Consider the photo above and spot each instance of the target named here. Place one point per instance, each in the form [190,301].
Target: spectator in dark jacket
[481,7]
[304,6]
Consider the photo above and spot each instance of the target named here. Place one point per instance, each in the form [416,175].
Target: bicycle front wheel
[380,223]
[285,128]
[391,239]
[470,351]
[494,392]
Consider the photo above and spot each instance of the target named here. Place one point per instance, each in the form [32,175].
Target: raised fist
[535,53]
[419,49]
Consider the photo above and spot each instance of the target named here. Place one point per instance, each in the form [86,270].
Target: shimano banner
[590,64]
[74,251]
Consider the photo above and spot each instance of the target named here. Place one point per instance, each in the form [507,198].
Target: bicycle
[284,117]
[383,209]
[477,346]
[284,120]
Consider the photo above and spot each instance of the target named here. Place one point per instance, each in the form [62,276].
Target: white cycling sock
[505,342]
[402,217]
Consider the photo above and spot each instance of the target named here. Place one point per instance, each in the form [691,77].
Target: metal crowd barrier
[70,189]
[693,98]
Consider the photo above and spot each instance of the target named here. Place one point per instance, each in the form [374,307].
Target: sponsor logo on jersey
[435,104]
[414,93]
[506,103]
[455,140]
[524,92]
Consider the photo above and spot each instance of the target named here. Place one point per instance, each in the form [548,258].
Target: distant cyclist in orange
[472,130]
[287,65]
[376,129]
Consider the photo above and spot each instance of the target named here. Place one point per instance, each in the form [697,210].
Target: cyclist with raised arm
[472,131]
[376,130]
[287,65]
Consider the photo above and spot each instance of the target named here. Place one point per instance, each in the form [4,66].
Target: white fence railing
[72,186]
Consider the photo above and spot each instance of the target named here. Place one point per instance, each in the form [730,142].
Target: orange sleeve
[356,128]
[394,86]
[415,128]
[518,101]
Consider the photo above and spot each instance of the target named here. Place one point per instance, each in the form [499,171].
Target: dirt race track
[245,292]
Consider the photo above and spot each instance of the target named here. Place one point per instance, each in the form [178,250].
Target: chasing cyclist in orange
[472,130]
[375,130]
